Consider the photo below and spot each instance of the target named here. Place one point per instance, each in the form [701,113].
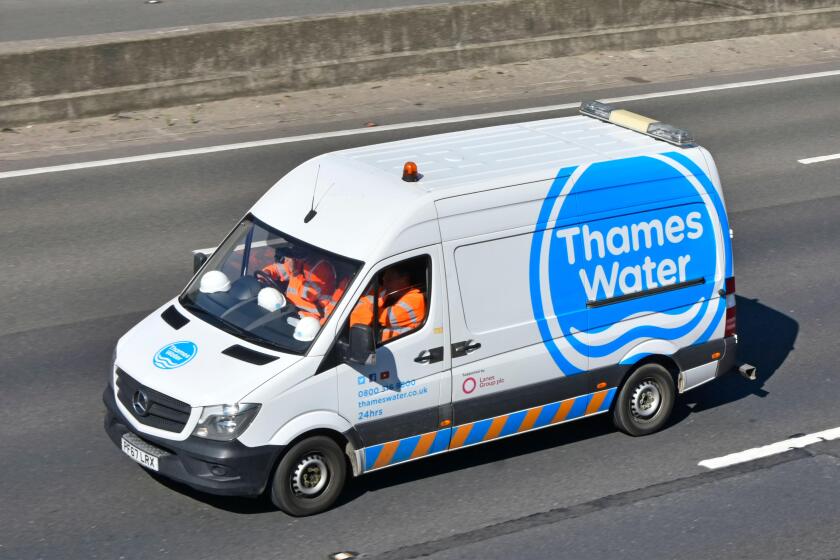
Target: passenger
[328,303]
[402,307]
[308,282]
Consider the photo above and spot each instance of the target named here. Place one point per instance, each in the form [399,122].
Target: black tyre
[645,401]
[309,477]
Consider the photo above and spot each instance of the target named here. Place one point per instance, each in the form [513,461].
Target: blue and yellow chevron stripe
[393,452]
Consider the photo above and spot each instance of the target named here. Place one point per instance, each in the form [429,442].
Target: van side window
[399,295]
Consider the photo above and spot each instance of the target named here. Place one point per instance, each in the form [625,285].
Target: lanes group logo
[599,251]
[175,355]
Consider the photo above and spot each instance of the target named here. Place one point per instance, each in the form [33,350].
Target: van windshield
[268,288]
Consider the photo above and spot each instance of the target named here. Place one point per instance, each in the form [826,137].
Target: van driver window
[402,300]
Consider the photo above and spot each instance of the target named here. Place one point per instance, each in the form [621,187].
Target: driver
[310,280]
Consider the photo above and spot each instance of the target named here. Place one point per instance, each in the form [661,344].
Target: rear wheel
[309,477]
[645,402]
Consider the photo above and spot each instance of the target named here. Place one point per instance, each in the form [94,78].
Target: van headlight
[225,422]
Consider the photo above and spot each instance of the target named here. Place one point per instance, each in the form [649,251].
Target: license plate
[146,459]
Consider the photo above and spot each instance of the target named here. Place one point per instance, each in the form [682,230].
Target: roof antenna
[311,214]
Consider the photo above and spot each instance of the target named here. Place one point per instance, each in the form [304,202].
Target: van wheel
[645,402]
[309,477]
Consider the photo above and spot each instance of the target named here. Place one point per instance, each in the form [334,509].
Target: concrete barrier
[59,79]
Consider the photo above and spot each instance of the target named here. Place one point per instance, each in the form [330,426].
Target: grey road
[87,253]
[42,19]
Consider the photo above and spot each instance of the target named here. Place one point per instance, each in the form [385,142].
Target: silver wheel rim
[646,399]
[310,475]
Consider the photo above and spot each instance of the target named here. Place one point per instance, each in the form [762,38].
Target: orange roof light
[410,173]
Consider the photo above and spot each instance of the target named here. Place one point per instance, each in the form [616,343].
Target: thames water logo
[586,277]
[175,355]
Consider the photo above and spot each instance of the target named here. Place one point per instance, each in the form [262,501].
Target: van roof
[505,155]
[364,205]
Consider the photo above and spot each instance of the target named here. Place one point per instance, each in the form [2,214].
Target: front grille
[164,412]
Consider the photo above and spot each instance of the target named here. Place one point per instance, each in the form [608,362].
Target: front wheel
[645,402]
[309,477]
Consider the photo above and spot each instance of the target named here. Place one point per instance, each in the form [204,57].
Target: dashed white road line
[772,449]
[403,126]
[818,159]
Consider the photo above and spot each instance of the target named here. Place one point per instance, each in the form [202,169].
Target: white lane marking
[403,126]
[818,159]
[772,449]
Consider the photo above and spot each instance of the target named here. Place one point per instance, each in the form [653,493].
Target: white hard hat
[307,328]
[214,281]
[271,299]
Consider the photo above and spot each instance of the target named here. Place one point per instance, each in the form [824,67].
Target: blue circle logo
[603,257]
[175,355]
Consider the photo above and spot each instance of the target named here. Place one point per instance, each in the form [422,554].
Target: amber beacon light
[410,173]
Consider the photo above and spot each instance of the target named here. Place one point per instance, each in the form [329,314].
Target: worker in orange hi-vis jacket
[402,308]
[309,281]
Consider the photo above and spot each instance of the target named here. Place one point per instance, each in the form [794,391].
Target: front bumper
[226,468]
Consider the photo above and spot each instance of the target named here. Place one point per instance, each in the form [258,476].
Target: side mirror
[362,347]
[198,260]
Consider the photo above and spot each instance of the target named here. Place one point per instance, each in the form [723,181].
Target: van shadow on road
[766,337]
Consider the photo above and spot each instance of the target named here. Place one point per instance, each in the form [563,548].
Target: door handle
[464,347]
[430,356]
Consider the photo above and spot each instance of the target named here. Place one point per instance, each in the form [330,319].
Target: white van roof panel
[508,154]
[364,205]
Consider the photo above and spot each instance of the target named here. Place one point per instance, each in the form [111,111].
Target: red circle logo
[469,385]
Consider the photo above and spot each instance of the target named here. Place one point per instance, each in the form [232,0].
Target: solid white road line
[403,126]
[772,449]
[818,159]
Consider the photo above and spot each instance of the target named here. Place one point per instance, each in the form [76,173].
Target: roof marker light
[596,109]
[410,173]
[670,134]
[639,123]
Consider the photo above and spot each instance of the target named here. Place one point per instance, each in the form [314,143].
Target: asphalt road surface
[87,253]
[43,19]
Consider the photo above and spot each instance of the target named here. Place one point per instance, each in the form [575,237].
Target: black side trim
[544,392]
[698,354]
[398,427]
[653,291]
[730,356]
[248,355]
[173,318]
[352,436]
[444,413]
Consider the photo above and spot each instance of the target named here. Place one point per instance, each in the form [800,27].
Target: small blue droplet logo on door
[175,355]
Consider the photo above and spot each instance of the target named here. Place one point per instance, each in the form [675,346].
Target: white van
[556,269]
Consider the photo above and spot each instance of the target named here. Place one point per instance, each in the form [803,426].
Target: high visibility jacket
[363,312]
[405,315]
[308,287]
[328,303]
